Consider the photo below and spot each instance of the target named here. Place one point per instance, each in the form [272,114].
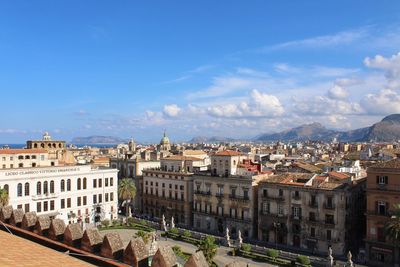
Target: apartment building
[25,158]
[312,212]
[383,192]
[226,197]
[168,190]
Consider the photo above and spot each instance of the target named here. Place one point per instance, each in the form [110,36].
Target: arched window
[19,190]
[51,187]
[26,189]
[35,145]
[5,187]
[84,183]
[45,187]
[39,188]
[69,185]
[78,185]
[62,185]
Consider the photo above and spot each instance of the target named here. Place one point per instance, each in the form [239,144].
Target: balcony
[313,204]
[330,223]
[295,218]
[296,197]
[219,195]
[44,196]
[203,193]
[329,206]
[276,198]
[239,198]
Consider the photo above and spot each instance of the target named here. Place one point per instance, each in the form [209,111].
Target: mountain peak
[392,118]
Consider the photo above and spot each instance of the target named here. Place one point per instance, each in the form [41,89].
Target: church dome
[164,140]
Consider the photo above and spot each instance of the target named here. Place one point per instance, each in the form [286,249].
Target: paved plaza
[222,258]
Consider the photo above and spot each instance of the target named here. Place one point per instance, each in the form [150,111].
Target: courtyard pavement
[222,258]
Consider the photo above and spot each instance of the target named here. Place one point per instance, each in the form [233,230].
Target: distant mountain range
[388,129]
[213,139]
[97,139]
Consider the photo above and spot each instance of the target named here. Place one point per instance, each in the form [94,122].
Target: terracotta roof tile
[23,253]
[228,153]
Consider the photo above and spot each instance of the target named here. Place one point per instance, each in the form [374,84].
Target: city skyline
[225,69]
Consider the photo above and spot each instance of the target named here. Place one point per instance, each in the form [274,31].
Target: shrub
[187,234]
[174,231]
[116,222]
[305,260]
[105,223]
[246,247]
[143,222]
[130,221]
[273,253]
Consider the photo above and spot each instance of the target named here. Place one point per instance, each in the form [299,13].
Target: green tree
[3,197]
[393,225]
[209,248]
[127,192]
[273,253]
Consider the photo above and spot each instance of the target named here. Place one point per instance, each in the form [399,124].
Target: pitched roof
[164,256]
[75,231]
[114,241]
[29,219]
[391,164]
[197,260]
[6,212]
[138,248]
[339,175]
[58,226]
[43,221]
[93,236]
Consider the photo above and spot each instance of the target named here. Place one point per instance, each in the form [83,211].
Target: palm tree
[209,248]
[3,197]
[393,225]
[126,192]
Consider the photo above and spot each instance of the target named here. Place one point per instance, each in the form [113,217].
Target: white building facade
[77,193]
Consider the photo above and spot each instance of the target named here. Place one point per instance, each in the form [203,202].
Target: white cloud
[383,103]
[391,66]
[258,105]
[336,39]
[171,110]
[337,92]
[321,105]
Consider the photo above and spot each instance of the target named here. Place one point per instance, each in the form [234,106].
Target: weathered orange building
[383,192]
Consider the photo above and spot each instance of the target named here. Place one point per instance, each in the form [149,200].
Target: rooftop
[228,153]
[22,151]
[391,164]
[21,252]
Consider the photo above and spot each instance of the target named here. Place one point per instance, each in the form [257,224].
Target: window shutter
[376,207]
[377,179]
[386,180]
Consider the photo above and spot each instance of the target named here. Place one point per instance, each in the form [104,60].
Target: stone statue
[330,257]
[349,261]
[172,222]
[164,224]
[240,239]
[228,238]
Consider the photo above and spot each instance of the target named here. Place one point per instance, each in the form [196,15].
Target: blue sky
[226,68]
